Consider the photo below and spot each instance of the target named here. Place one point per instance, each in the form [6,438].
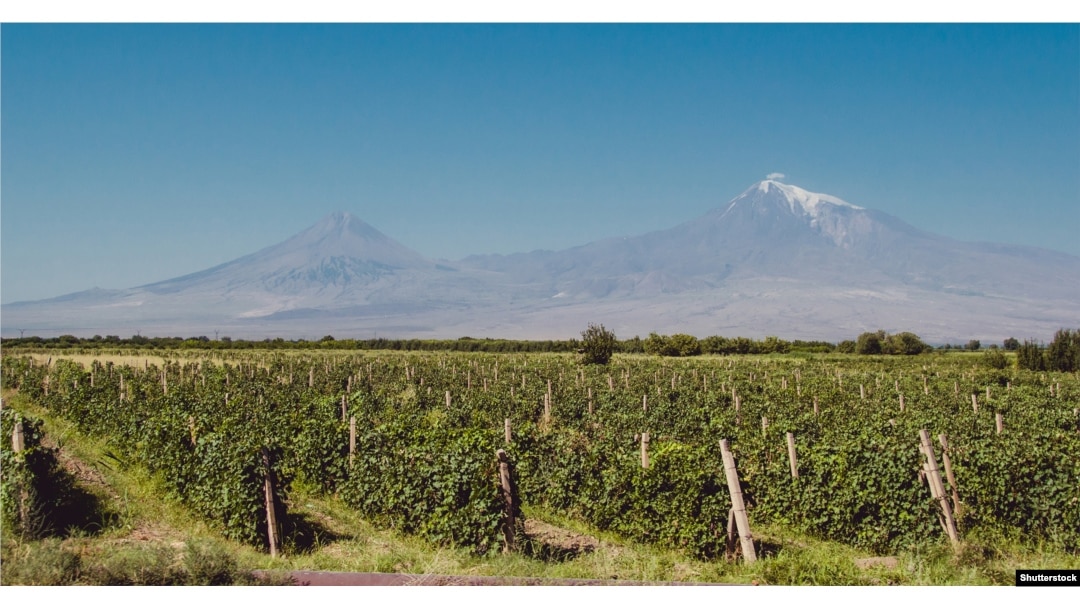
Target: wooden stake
[508,500]
[272,530]
[352,440]
[999,422]
[737,505]
[732,535]
[974,404]
[937,489]
[447,399]
[792,459]
[948,471]
[344,408]
[18,439]
[590,401]
[644,450]
[645,403]
[506,430]
[815,406]
[901,402]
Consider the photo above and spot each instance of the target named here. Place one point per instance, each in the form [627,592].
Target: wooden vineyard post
[645,403]
[18,439]
[815,406]
[732,535]
[352,440]
[737,505]
[862,393]
[901,402]
[792,459]
[18,444]
[948,471]
[590,401]
[999,422]
[937,489]
[506,430]
[272,529]
[344,408]
[644,450]
[547,407]
[974,404]
[508,498]
[447,399]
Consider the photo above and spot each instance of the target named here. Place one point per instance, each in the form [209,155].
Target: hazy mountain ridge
[776,259]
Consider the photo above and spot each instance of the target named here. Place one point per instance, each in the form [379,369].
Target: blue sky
[136,153]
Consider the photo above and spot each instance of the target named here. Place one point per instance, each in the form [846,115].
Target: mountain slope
[776,259]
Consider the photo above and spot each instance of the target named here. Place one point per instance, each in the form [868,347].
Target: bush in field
[995,359]
[597,344]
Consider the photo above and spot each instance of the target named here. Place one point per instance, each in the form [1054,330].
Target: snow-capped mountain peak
[799,200]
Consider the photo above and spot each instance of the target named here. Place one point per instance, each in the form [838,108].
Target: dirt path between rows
[315,578]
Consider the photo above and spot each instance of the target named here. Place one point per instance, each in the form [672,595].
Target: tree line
[1062,354]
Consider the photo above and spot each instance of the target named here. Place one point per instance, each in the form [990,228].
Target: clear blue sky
[136,153]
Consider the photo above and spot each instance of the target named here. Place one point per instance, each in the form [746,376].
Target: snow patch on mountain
[809,202]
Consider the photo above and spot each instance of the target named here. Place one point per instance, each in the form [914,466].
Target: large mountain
[775,260]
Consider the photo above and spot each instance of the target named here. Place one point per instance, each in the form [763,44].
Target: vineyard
[826,445]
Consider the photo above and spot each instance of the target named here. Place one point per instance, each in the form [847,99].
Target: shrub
[995,359]
[597,344]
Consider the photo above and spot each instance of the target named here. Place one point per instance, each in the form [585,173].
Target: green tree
[973,345]
[869,343]
[656,344]
[846,346]
[1063,353]
[1029,356]
[773,344]
[907,343]
[1011,344]
[597,345]
[684,345]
